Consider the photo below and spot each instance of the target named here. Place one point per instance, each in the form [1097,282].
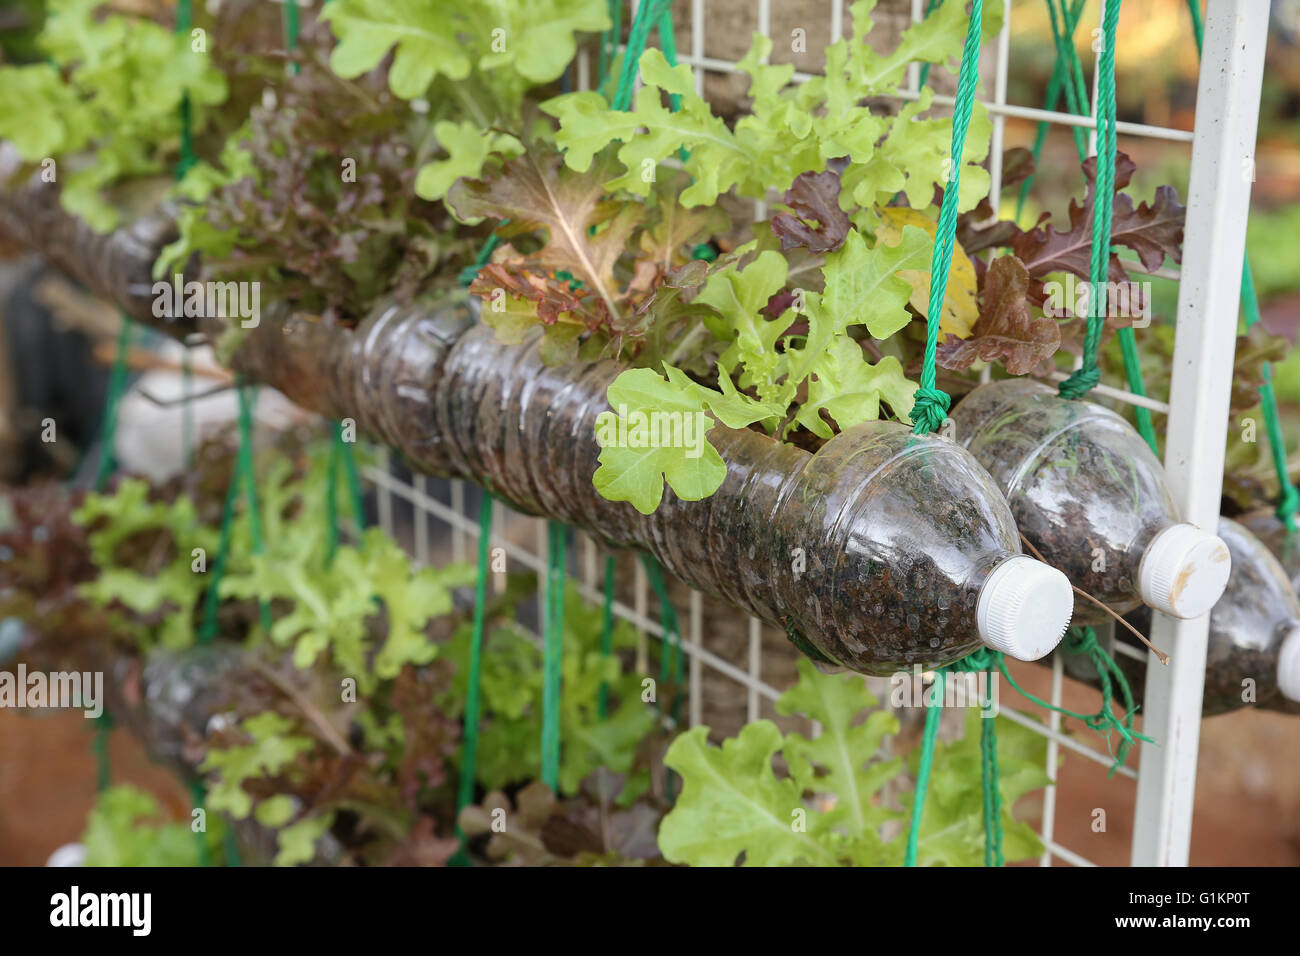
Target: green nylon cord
[107,463]
[116,386]
[670,658]
[931,405]
[249,484]
[928,738]
[648,13]
[99,747]
[212,600]
[1070,71]
[198,801]
[609,42]
[553,654]
[1082,380]
[1054,87]
[1288,498]
[606,634]
[341,457]
[925,67]
[474,678]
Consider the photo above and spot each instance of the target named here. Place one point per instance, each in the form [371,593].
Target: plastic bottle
[883,550]
[1266,526]
[1254,634]
[1088,493]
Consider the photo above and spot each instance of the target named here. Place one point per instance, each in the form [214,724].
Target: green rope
[1054,86]
[609,42]
[1084,641]
[928,739]
[1070,71]
[198,799]
[474,678]
[670,659]
[107,463]
[606,634]
[925,67]
[341,456]
[184,23]
[211,600]
[1082,380]
[99,747]
[116,386]
[931,405]
[553,654]
[648,13]
[249,483]
[242,479]
[1288,497]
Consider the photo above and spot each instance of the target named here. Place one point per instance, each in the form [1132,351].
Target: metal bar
[999,119]
[755,667]
[1053,755]
[696,672]
[1218,197]
[1019,112]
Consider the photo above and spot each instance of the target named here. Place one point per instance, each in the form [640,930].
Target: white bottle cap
[1024,608]
[1184,571]
[1288,666]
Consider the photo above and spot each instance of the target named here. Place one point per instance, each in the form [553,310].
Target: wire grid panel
[1162,826]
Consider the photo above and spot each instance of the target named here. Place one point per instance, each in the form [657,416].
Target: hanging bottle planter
[1088,493]
[1253,654]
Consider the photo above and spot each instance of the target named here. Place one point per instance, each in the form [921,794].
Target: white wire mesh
[451,521]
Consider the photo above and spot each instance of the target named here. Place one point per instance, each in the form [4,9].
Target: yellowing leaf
[960,309]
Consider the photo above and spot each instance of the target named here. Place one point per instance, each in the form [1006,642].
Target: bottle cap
[1024,608]
[1288,665]
[1184,571]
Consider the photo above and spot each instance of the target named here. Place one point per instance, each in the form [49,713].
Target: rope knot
[929,409]
[981,659]
[1080,383]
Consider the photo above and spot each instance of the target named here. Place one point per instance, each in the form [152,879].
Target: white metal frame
[1224,136]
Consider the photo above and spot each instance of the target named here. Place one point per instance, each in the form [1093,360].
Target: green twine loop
[553,654]
[931,404]
[1086,376]
[1084,641]
[474,677]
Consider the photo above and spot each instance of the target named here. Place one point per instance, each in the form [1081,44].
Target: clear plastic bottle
[1088,493]
[1254,634]
[883,550]
[1266,526]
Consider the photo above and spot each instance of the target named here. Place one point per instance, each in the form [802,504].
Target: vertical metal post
[1227,112]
